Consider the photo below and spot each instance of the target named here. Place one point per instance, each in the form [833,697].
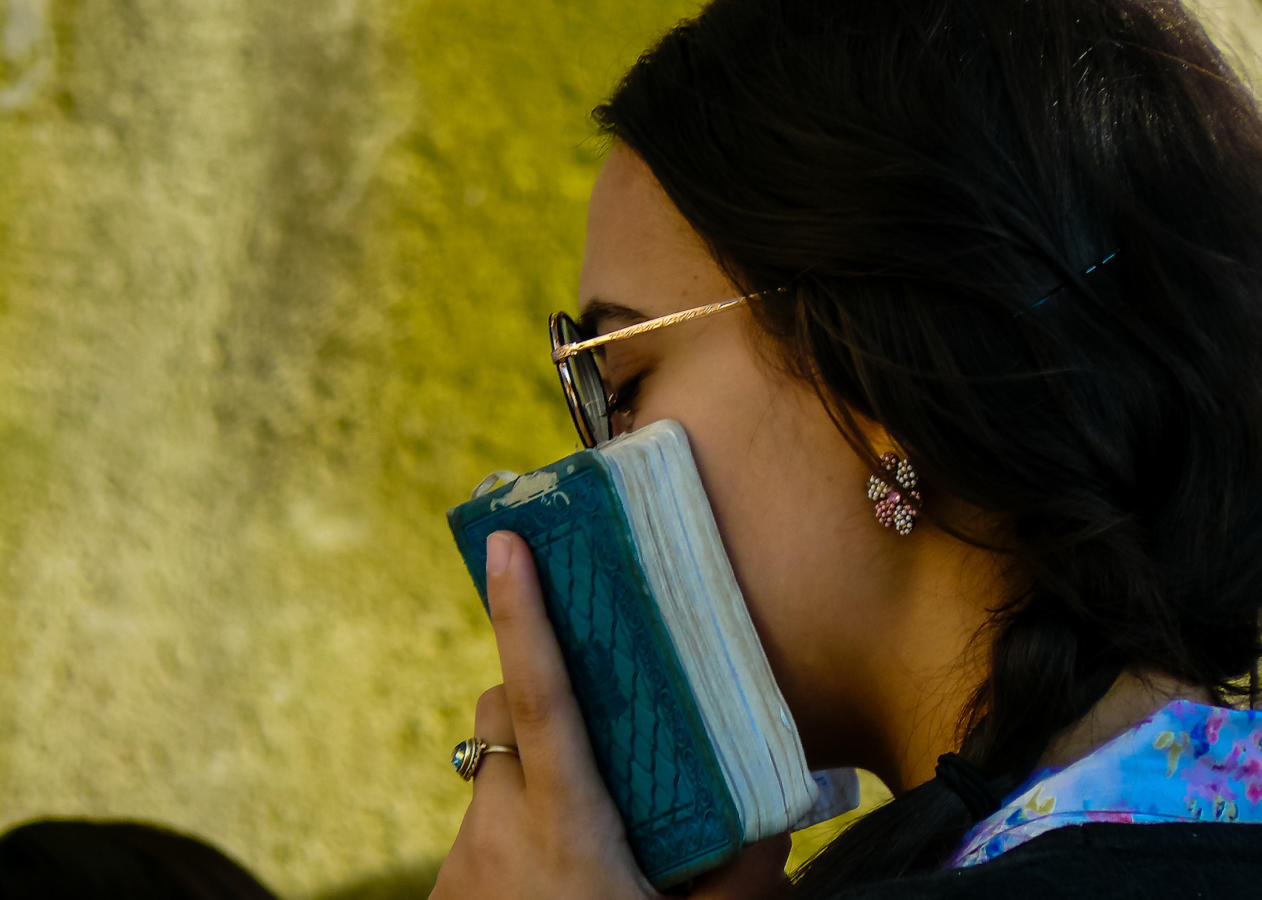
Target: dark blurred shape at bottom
[73,858]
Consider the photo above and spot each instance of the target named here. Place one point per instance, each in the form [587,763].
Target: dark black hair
[942,182]
[76,859]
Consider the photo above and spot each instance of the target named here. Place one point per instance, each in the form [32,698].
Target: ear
[867,437]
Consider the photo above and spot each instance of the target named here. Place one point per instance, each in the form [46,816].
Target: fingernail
[498,550]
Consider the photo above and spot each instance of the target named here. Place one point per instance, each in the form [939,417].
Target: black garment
[1112,861]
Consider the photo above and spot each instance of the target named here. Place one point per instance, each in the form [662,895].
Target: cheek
[781,481]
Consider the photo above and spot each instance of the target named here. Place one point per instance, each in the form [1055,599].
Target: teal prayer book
[690,732]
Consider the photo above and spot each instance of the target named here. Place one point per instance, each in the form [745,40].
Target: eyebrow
[599,312]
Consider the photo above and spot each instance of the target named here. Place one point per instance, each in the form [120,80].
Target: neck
[930,724]
[937,655]
[1132,698]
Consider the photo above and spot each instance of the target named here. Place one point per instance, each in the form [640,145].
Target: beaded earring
[897,504]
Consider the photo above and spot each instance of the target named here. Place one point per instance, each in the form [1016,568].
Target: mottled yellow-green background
[273,282]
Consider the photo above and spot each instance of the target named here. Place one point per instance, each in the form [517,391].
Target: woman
[1020,244]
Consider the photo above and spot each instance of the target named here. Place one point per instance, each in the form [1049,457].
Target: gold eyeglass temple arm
[565,351]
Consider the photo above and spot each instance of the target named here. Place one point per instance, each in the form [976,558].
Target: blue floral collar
[1186,763]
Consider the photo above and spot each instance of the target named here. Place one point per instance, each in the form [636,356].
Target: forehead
[640,252]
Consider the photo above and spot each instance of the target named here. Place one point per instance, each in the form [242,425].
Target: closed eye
[622,405]
[622,399]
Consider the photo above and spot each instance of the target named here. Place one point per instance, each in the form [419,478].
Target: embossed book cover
[689,729]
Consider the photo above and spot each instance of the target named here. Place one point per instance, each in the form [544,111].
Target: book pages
[696,590]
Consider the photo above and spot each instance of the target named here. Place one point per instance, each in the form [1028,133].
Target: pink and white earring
[897,504]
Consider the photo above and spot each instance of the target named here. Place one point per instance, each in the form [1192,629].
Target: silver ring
[468,754]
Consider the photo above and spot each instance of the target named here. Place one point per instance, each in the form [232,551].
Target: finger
[757,872]
[492,723]
[555,752]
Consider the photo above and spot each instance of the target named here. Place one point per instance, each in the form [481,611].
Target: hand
[544,825]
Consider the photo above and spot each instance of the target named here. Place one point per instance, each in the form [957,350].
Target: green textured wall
[274,279]
[273,282]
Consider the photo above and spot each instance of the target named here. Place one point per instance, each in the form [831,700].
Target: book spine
[647,735]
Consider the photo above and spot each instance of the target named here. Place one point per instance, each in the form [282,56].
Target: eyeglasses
[580,373]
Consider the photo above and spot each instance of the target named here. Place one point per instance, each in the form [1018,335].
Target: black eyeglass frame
[568,370]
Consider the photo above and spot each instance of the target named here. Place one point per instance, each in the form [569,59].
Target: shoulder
[1102,860]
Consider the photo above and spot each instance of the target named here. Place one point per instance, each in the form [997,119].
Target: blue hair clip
[1088,271]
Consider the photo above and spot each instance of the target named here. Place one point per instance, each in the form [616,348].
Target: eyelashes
[622,399]
[621,404]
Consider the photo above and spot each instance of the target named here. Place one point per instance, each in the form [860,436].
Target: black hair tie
[968,783]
